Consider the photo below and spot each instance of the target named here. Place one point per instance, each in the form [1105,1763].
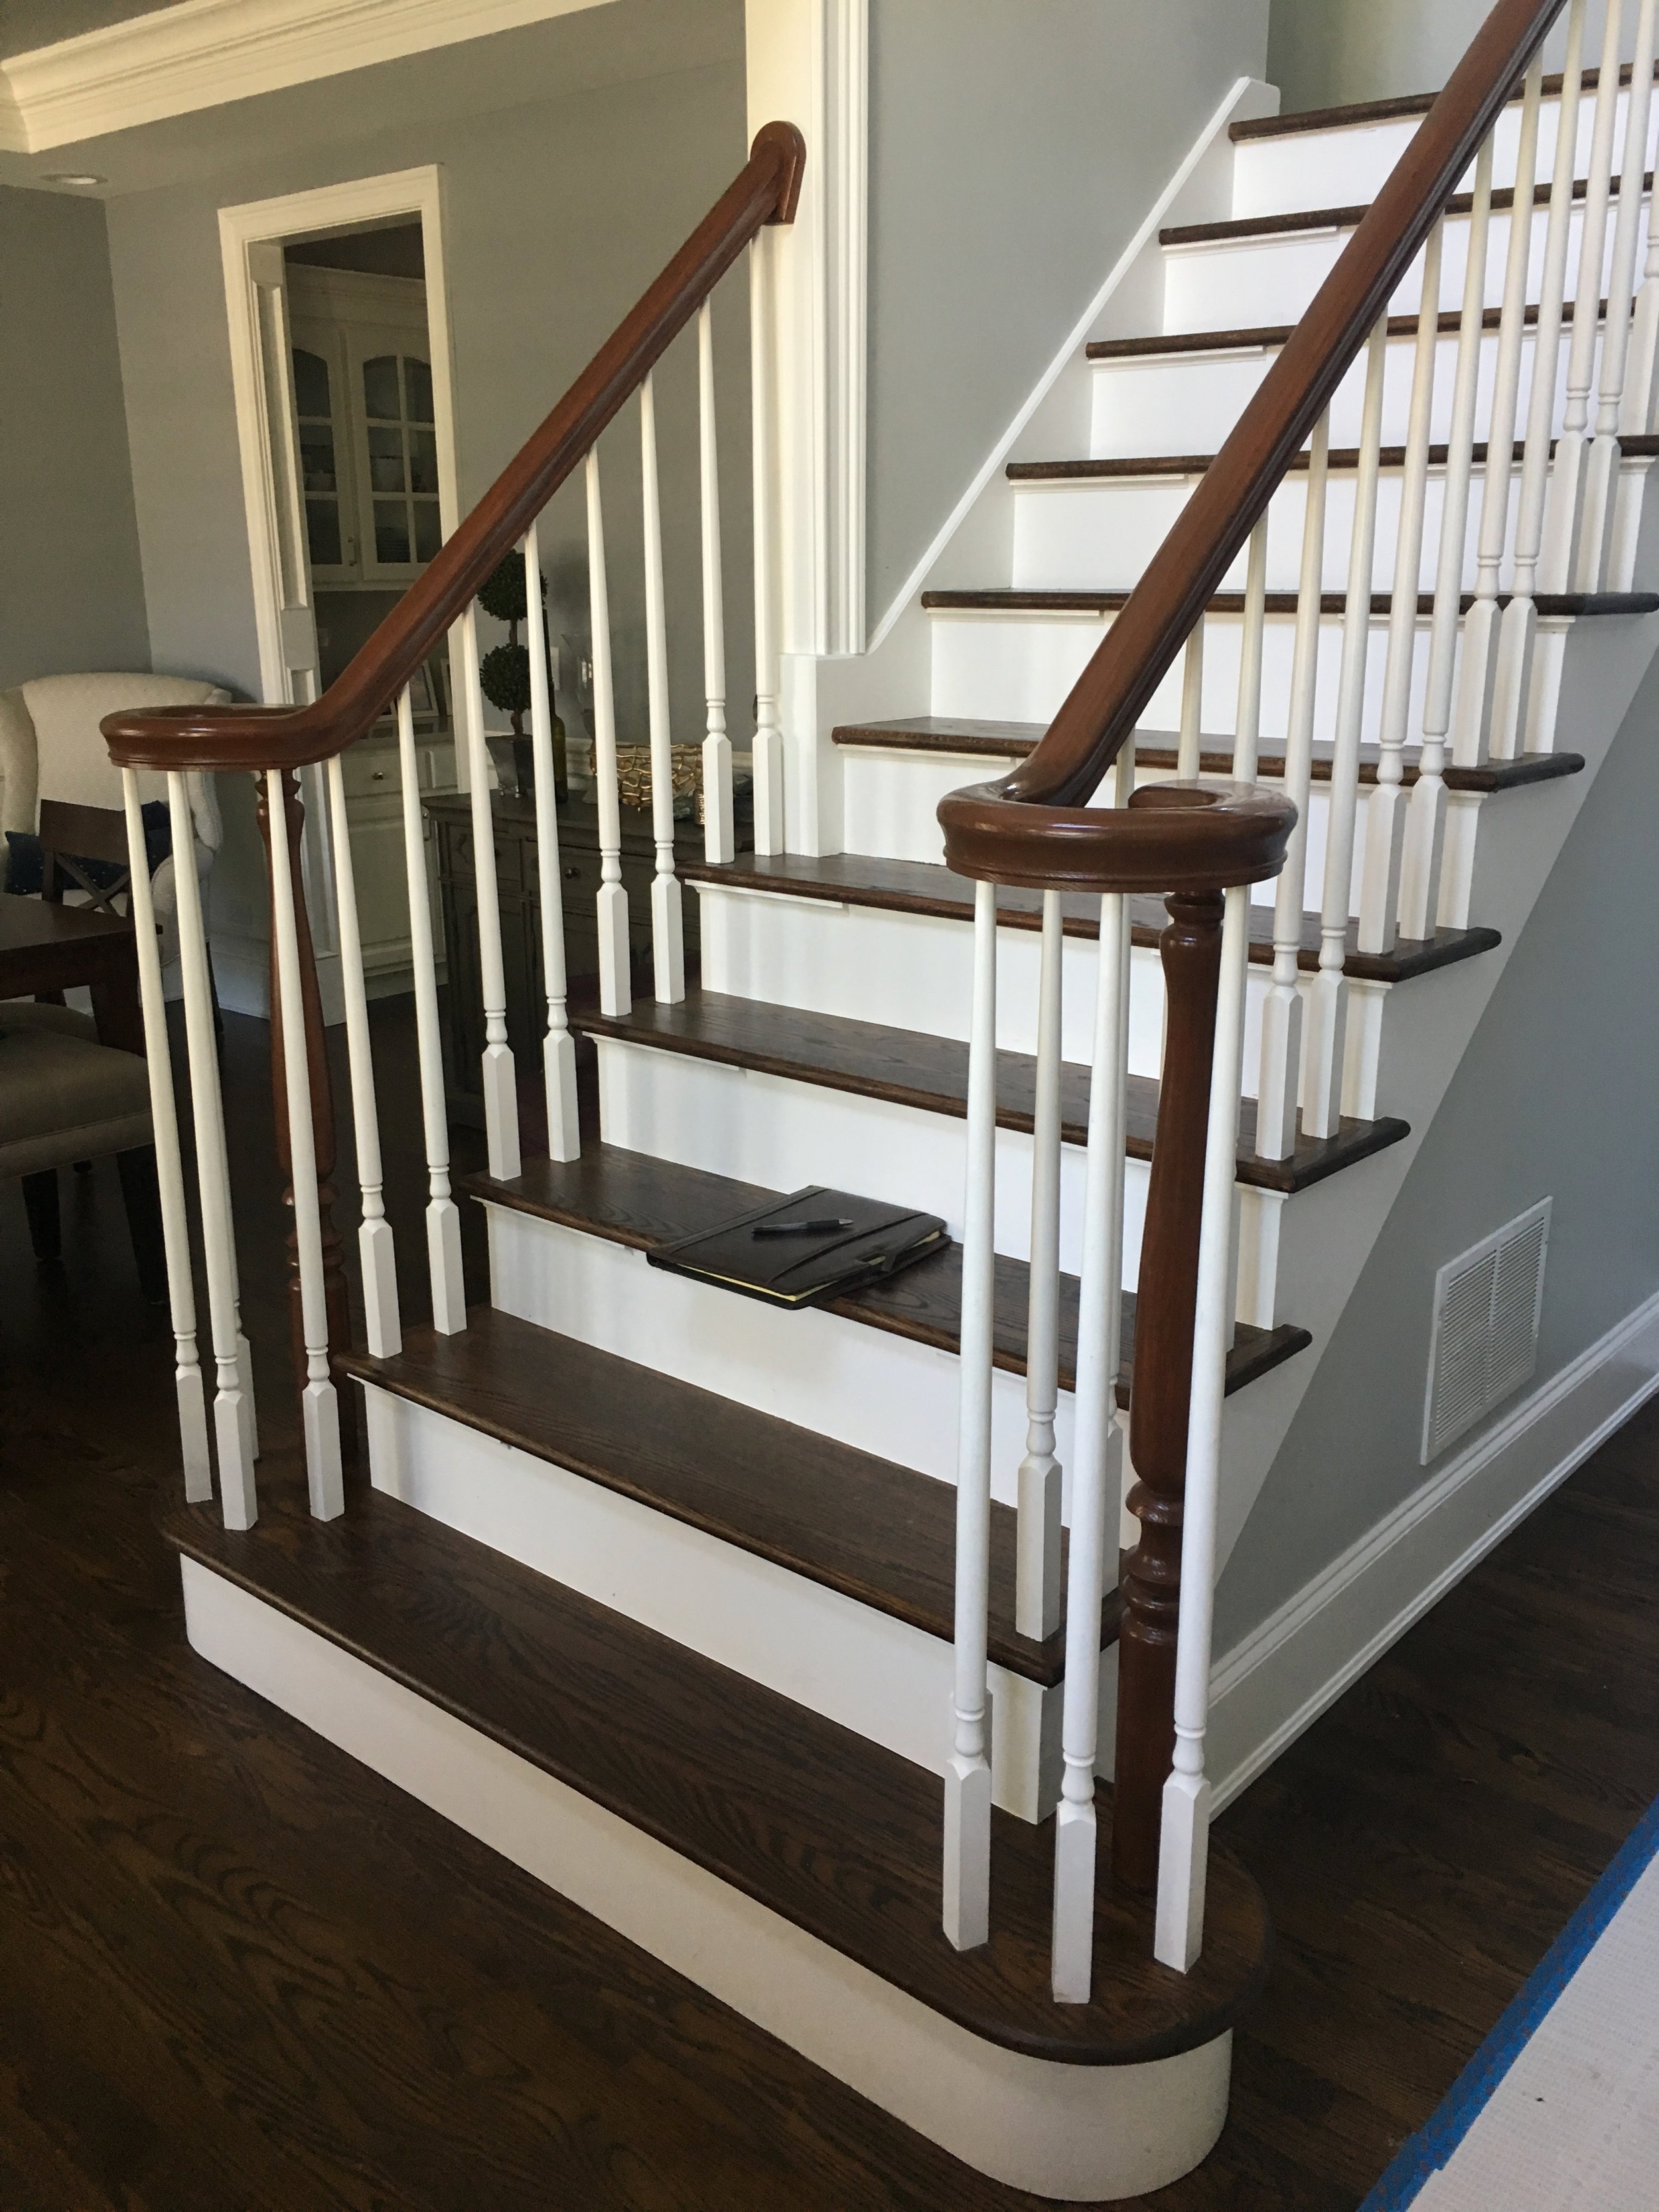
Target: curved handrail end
[1172,837]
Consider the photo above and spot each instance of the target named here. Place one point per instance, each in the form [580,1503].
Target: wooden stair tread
[638,1201]
[907,1067]
[1380,111]
[877,1533]
[1238,228]
[1641,444]
[1003,599]
[835,1835]
[1265,337]
[941,733]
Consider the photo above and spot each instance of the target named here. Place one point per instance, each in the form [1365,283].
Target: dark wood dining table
[47,947]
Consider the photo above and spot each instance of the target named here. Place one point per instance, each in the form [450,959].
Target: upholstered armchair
[52,748]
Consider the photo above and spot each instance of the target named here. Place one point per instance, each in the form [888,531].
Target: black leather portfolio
[814,1244]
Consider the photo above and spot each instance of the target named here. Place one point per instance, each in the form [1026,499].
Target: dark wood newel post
[1190,948]
[322,1104]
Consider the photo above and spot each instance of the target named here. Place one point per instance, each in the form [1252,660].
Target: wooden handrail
[1063,772]
[766,191]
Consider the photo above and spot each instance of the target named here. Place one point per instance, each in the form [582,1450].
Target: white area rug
[1559,2111]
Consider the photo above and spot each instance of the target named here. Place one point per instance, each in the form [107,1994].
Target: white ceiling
[26,24]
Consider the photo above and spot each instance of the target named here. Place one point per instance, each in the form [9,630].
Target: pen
[797,1228]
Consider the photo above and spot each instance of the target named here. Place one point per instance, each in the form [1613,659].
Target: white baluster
[1097,1453]
[1183,1841]
[1385,811]
[500,1095]
[1281,1009]
[1189,753]
[1517,636]
[443,1220]
[232,1425]
[1640,407]
[616,983]
[169,1165]
[967,1776]
[382,1326]
[720,843]
[667,925]
[319,1408]
[1036,1580]
[1322,1110]
[1425,819]
[768,758]
[558,1047]
[1473,714]
[1246,740]
[1601,467]
[1559,560]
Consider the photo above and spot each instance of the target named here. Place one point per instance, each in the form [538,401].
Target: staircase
[696,1609]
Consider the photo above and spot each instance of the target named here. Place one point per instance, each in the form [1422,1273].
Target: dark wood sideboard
[519,890]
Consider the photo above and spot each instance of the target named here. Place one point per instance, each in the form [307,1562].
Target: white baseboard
[1267,1690]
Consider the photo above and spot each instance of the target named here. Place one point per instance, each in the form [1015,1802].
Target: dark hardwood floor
[240,1974]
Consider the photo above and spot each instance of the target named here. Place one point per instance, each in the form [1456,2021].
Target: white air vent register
[1485,1339]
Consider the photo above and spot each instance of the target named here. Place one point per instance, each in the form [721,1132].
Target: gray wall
[26,24]
[1554,1098]
[1015,146]
[1324,53]
[72,592]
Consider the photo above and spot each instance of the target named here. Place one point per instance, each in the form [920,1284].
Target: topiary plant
[504,672]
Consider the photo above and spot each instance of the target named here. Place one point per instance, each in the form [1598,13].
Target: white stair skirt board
[1088,2132]
[886,1680]
[882,1393]
[1267,1690]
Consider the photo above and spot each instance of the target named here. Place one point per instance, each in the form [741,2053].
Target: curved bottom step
[751,1846]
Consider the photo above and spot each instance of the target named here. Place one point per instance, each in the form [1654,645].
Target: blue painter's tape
[1427,2151]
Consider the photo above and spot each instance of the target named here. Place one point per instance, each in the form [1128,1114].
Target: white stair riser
[881,1393]
[1348,165]
[1019,668]
[1187,402]
[886,1680]
[1241,283]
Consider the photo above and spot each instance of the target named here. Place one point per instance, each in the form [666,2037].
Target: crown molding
[201,53]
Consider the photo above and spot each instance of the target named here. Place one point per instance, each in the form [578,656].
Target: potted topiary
[504,672]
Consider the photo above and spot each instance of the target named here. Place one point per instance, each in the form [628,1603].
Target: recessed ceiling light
[74,177]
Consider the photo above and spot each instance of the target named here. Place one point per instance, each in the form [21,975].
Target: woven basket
[633,774]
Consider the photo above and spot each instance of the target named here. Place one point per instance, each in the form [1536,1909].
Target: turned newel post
[322,1099]
[1191,951]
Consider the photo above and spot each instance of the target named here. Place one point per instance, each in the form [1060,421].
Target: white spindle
[1097,1452]
[667,925]
[558,1047]
[616,984]
[720,843]
[767,757]
[1189,754]
[1637,413]
[1426,819]
[1473,714]
[169,1165]
[382,1327]
[967,1776]
[319,1408]
[1385,811]
[1183,1844]
[500,1096]
[1247,739]
[233,1432]
[1328,1001]
[443,1220]
[1566,502]
[1281,1009]
[1518,633]
[1036,1580]
[1602,466]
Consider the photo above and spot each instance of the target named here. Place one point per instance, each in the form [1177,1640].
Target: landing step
[1640,445]
[879,1534]
[635,1200]
[835,1835]
[1003,600]
[1237,229]
[907,1068]
[941,733]
[1382,111]
[925,887]
[1264,337]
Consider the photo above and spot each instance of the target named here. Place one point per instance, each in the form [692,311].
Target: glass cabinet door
[323,446]
[393,394]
